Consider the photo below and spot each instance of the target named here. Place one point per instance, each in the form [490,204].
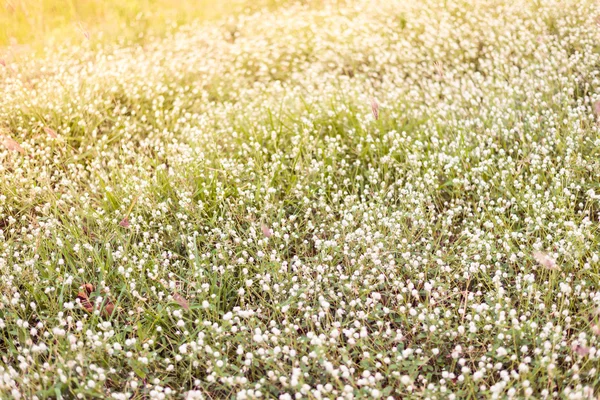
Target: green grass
[226,188]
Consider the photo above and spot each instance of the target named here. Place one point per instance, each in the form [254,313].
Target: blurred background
[36,23]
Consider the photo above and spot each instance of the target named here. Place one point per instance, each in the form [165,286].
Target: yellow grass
[35,23]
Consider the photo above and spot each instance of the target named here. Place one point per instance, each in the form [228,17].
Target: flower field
[338,199]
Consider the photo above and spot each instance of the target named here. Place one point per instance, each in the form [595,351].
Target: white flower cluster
[367,198]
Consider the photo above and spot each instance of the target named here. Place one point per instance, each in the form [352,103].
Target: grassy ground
[35,23]
[379,199]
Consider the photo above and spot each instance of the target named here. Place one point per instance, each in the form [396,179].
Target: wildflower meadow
[328,199]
